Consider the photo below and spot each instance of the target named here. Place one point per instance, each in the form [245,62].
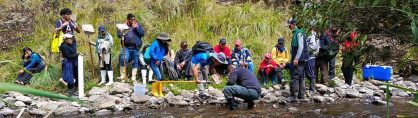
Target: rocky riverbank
[119,98]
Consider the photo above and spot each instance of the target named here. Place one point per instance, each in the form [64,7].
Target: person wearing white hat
[69,64]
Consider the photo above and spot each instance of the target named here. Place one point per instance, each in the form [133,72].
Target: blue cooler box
[368,72]
[382,73]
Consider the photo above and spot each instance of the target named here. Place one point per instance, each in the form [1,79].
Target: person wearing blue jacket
[32,63]
[157,50]
[132,43]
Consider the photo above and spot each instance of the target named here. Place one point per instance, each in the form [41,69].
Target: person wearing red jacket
[268,69]
[348,57]
[222,47]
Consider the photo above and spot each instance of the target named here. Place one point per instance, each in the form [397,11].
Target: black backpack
[202,47]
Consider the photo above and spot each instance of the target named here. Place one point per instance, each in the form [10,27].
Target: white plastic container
[139,89]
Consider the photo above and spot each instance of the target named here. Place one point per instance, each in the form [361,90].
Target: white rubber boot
[150,73]
[102,77]
[110,73]
[144,76]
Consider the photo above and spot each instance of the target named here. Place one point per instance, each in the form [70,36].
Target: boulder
[321,88]
[319,99]
[330,99]
[7,112]
[269,98]
[381,103]
[66,110]
[338,82]
[119,88]
[24,99]
[2,104]
[140,98]
[187,95]
[331,90]
[19,104]
[175,100]
[400,93]
[410,85]
[14,94]
[216,93]
[285,93]
[106,101]
[352,93]
[45,105]
[263,91]
[103,112]
[83,110]
[38,112]
[277,93]
[98,91]
[293,109]
[155,103]
[340,92]
[10,99]
[276,87]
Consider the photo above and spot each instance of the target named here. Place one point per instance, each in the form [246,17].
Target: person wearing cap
[349,57]
[268,69]
[32,62]
[325,59]
[313,45]
[182,59]
[241,56]
[242,83]
[299,54]
[66,25]
[104,44]
[222,47]
[201,63]
[157,50]
[132,43]
[69,64]
[281,56]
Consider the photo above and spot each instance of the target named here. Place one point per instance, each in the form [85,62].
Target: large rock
[338,82]
[14,94]
[24,99]
[381,103]
[19,104]
[410,85]
[321,88]
[47,105]
[293,109]
[155,103]
[187,95]
[370,86]
[400,93]
[216,93]
[175,100]
[103,112]
[340,92]
[285,93]
[38,112]
[2,104]
[330,99]
[264,91]
[98,91]
[66,110]
[119,88]
[7,111]
[106,101]
[139,98]
[276,87]
[319,99]
[269,98]
[352,93]
[10,99]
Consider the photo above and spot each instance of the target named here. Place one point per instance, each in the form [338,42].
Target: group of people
[307,55]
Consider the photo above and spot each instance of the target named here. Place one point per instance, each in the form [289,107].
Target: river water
[342,109]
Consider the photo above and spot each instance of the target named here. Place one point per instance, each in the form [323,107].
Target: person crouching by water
[33,63]
[104,45]
[69,64]
[242,83]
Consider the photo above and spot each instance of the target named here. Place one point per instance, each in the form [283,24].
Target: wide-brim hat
[220,57]
[163,36]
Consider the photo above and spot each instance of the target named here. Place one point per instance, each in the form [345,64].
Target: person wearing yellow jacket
[281,56]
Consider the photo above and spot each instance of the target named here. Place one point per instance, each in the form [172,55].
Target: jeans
[297,84]
[156,69]
[240,92]
[25,77]
[249,67]
[131,54]
[310,72]
[264,76]
[332,68]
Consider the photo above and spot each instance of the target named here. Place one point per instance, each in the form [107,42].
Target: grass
[255,25]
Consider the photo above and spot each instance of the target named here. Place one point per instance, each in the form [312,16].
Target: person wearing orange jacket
[268,69]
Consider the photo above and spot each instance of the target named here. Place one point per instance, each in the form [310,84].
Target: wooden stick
[21,112]
[49,113]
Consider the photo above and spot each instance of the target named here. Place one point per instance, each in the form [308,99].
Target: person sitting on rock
[241,57]
[69,64]
[268,69]
[223,47]
[33,63]
[182,60]
[104,44]
[242,83]
[281,56]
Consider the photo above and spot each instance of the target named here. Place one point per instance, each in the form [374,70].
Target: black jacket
[69,51]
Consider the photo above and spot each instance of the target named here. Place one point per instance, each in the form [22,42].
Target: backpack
[312,46]
[202,47]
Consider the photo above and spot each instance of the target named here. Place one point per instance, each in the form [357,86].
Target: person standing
[69,64]
[132,43]
[104,44]
[66,25]
[157,50]
[313,49]
[299,54]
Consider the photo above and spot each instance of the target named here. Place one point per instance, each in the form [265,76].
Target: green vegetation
[257,26]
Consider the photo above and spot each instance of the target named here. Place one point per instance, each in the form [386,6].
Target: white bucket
[139,89]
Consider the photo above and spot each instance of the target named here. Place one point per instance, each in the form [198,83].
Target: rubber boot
[110,74]
[160,89]
[134,72]
[232,104]
[150,73]
[122,73]
[155,89]
[144,76]
[102,77]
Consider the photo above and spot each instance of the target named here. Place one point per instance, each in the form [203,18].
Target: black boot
[232,104]
[250,104]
